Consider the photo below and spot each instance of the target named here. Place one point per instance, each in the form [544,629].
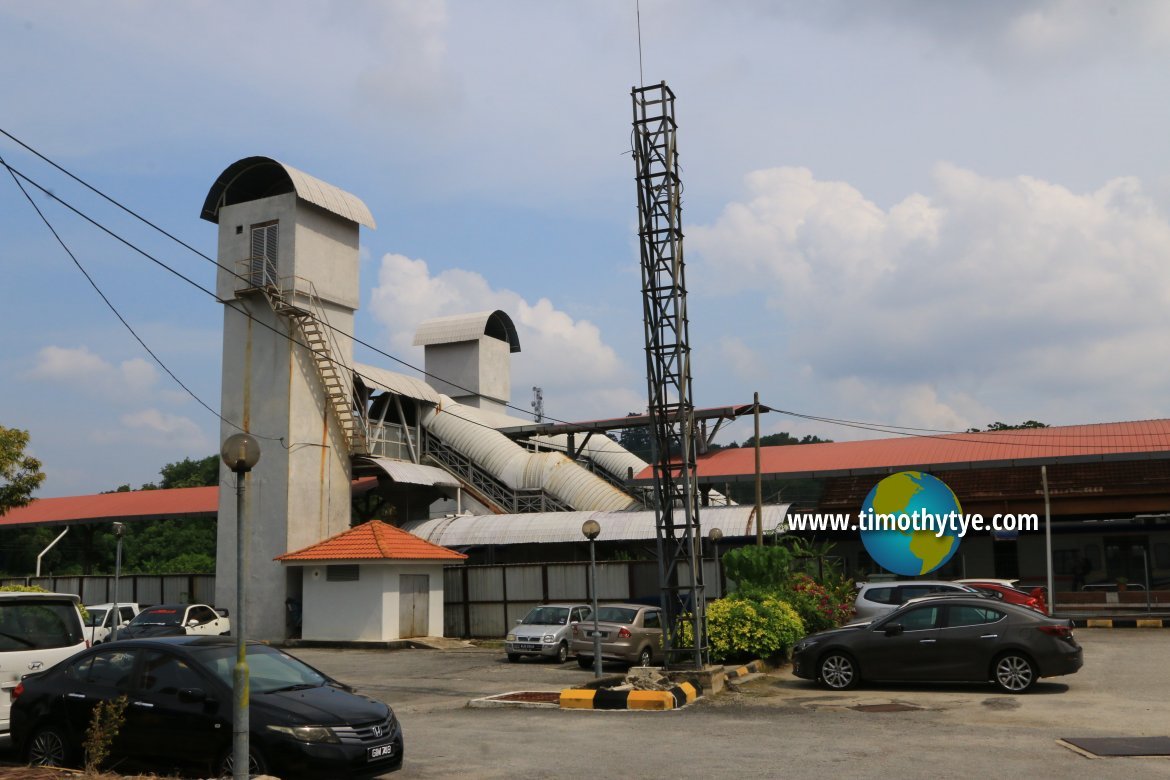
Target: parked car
[1012,595]
[943,639]
[301,722]
[544,631]
[100,620]
[37,630]
[630,633]
[878,598]
[177,620]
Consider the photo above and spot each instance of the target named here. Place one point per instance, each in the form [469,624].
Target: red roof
[373,541]
[132,505]
[1142,440]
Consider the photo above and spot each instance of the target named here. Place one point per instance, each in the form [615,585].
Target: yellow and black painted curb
[607,699]
[755,667]
[1121,622]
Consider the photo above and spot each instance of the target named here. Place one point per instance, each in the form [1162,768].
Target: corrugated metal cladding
[567,583]
[467,327]
[414,473]
[557,527]
[524,583]
[393,382]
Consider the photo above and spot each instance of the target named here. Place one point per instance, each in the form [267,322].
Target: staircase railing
[296,297]
[505,499]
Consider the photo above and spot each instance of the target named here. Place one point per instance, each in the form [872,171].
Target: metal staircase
[296,298]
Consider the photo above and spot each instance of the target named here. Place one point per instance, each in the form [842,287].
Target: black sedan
[179,710]
[952,639]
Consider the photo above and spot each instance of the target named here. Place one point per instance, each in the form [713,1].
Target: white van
[37,630]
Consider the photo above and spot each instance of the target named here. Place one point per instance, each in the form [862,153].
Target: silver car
[544,631]
[875,599]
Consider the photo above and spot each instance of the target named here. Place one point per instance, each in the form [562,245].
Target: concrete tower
[288,256]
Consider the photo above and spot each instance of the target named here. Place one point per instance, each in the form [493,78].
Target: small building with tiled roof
[372,583]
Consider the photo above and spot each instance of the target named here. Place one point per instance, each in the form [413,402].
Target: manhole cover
[885,708]
[537,697]
[1122,746]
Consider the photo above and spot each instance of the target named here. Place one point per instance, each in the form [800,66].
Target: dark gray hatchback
[943,639]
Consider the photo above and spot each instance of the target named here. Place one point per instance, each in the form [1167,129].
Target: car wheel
[48,748]
[1014,672]
[584,663]
[646,657]
[838,671]
[563,653]
[513,657]
[256,763]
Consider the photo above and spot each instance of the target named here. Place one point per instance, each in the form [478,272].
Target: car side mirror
[192,623]
[192,695]
[894,629]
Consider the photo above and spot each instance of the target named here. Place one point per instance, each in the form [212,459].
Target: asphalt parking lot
[774,725]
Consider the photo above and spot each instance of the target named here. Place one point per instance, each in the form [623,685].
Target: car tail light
[1060,632]
[17,691]
[624,633]
[1034,604]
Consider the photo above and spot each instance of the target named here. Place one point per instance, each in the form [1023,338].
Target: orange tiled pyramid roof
[375,541]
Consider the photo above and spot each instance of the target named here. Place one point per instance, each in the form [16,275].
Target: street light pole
[116,617]
[591,529]
[240,452]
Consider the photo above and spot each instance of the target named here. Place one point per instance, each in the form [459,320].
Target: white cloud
[950,309]
[168,431]
[86,372]
[580,374]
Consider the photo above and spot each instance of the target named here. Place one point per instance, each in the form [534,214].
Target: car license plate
[527,647]
[595,633]
[380,751]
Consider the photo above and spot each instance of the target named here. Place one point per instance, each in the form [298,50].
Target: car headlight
[307,733]
[804,644]
[510,638]
[549,638]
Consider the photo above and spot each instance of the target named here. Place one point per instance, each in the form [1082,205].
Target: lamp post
[240,452]
[715,534]
[116,617]
[591,529]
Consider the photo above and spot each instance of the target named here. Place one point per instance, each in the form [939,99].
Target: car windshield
[159,616]
[616,614]
[96,616]
[547,616]
[269,670]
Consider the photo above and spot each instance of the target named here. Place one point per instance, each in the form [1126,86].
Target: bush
[820,608]
[740,629]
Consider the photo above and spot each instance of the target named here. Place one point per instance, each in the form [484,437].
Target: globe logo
[909,523]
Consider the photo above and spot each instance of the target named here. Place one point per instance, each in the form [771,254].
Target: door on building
[1125,557]
[414,591]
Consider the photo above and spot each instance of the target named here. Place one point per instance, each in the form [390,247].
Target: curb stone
[605,699]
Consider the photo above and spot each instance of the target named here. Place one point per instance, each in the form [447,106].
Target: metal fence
[132,588]
[486,601]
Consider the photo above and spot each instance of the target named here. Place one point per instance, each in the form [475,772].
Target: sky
[902,212]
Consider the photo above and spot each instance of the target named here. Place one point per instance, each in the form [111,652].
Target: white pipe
[50,547]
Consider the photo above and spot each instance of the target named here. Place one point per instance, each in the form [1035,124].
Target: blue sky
[907,212]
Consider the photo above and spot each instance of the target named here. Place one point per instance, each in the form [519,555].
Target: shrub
[104,725]
[819,607]
[740,629]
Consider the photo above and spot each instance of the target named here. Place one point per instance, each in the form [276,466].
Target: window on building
[342,573]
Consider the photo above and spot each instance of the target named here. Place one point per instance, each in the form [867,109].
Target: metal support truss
[668,377]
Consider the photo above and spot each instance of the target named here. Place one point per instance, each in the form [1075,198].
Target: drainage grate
[535,697]
[885,708]
[1122,746]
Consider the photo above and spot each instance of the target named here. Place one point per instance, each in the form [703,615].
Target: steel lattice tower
[668,376]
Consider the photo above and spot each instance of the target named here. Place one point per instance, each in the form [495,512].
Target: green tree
[636,440]
[191,473]
[20,474]
[999,426]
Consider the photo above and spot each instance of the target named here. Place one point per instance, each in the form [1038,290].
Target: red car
[1011,595]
